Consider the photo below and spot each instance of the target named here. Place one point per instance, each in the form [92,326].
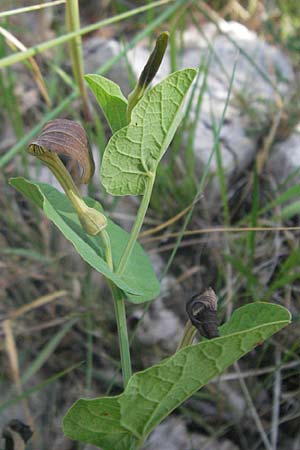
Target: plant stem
[188,335]
[117,293]
[107,248]
[75,45]
[137,225]
[120,312]
[119,303]
[52,160]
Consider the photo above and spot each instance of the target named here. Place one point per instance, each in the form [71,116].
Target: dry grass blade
[219,230]
[166,223]
[253,411]
[263,153]
[11,350]
[25,9]
[39,48]
[14,44]
[41,301]
[12,353]
[215,18]
[236,11]
[276,401]
[233,376]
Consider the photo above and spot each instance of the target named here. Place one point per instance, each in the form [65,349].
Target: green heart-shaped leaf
[133,152]
[111,100]
[124,422]
[138,281]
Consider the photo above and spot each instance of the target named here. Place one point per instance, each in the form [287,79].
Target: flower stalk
[68,138]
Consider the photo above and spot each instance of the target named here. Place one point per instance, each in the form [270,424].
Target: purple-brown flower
[68,138]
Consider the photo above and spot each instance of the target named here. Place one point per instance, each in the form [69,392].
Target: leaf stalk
[120,313]
[188,335]
[117,293]
[137,225]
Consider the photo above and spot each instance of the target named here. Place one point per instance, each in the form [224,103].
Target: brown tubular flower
[65,137]
[68,138]
[16,434]
[154,61]
[149,72]
[202,312]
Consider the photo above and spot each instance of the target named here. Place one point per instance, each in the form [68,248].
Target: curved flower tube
[66,137]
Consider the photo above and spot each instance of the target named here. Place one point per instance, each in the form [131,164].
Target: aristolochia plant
[143,128]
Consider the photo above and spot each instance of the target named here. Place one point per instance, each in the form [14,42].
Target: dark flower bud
[149,72]
[202,312]
[16,434]
[154,61]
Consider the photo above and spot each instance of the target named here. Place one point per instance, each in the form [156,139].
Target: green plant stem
[60,172]
[75,46]
[117,293]
[137,225]
[104,236]
[188,335]
[119,303]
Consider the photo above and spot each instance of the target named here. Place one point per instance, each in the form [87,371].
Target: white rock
[173,435]
[98,51]
[160,326]
[238,148]
[285,158]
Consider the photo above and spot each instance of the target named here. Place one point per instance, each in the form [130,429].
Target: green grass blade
[31,8]
[20,56]
[22,144]
[221,172]
[203,178]
[75,47]
[254,216]
[46,352]
[39,387]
